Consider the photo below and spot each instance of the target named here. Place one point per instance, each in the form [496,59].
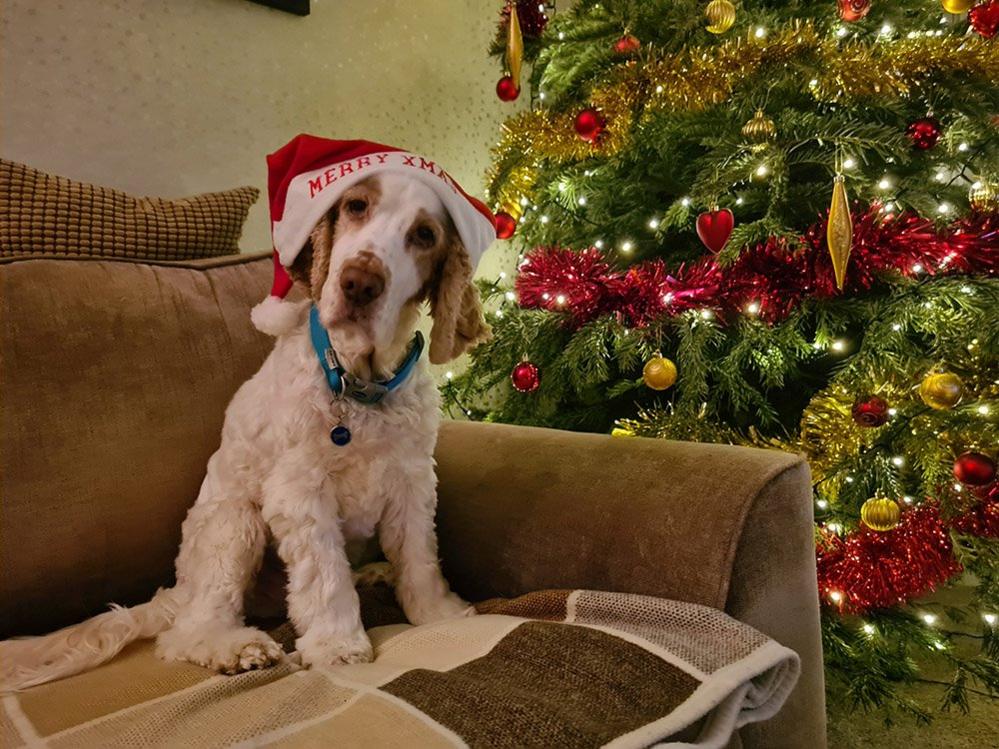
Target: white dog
[386,245]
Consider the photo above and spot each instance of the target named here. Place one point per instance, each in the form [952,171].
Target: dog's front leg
[322,602]
[409,540]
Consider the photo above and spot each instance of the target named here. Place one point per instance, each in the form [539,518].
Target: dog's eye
[357,206]
[424,236]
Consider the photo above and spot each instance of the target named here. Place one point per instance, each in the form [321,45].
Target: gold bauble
[621,432]
[760,128]
[659,373]
[941,390]
[880,514]
[985,197]
[721,16]
[839,232]
[957,6]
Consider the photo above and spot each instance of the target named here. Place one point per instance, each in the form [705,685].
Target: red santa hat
[307,176]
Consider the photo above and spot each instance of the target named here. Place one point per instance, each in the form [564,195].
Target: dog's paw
[450,606]
[228,650]
[323,650]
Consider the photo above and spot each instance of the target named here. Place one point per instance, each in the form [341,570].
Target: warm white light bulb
[561,35]
[510,296]
[560,299]
[892,411]
[599,244]
[626,246]
[962,147]
[653,223]
[753,308]
[659,89]
[835,596]
[849,163]
[868,629]
[930,618]
[760,32]
[838,345]
[898,461]
[524,201]
[449,374]
[544,219]
[707,314]
[896,326]
[917,268]
[989,618]
[762,170]
[581,200]
[685,202]
[983,410]
[884,183]
[886,29]
[943,208]
[739,200]
[841,32]
[821,504]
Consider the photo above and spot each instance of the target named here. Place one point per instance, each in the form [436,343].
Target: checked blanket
[550,669]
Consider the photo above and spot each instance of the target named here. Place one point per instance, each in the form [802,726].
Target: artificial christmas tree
[838,160]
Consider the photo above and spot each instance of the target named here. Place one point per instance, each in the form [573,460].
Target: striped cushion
[43,213]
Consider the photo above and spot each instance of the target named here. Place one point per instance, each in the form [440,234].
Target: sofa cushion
[43,213]
[553,668]
[115,377]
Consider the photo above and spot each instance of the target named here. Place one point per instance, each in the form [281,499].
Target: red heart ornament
[984,18]
[715,227]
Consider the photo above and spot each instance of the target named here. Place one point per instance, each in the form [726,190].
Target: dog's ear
[312,264]
[455,307]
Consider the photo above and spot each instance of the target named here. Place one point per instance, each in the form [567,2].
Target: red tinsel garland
[869,569]
[983,518]
[775,275]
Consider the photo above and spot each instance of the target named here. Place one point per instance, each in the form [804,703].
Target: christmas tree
[774,224]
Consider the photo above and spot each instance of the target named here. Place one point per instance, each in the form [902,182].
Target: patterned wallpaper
[173,97]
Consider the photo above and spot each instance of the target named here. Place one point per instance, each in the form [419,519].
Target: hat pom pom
[275,317]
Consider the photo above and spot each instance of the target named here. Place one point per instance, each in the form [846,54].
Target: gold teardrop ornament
[514,45]
[839,232]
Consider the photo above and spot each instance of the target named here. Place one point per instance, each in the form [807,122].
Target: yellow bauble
[760,128]
[721,16]
[941,390]
[984,197]
[957,6]
[880,514]
[659,373]
[621,432]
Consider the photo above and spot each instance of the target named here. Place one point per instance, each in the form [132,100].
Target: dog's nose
[361,284]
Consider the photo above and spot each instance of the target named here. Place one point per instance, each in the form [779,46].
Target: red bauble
[525,377]
[506,89]
[853,10]
[715,227]
[974,469]
[924,133]
[627,44]
[590,124]
[506,225]
[870,411]
[984,18]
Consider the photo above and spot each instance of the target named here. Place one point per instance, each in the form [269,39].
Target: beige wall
[172,97]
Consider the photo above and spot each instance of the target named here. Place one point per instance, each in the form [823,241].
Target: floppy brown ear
[456,308]
[312,264]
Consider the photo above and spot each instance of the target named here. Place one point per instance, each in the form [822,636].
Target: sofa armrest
[524,509]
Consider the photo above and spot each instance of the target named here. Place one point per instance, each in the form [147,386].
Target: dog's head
[386,246]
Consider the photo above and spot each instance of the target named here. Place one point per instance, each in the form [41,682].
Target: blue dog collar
[345,385]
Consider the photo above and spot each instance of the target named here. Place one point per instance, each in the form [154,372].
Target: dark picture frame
[298,7]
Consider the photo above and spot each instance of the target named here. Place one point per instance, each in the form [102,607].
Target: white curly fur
[276,474]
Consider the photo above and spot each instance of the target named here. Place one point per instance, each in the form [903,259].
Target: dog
[386,246]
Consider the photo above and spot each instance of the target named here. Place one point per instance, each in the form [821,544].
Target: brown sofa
[115,376]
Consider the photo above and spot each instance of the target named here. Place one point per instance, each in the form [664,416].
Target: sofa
[115,376]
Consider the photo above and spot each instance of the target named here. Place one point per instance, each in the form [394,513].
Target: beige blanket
[550,669]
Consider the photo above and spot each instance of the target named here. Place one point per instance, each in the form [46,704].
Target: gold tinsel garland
[702,77]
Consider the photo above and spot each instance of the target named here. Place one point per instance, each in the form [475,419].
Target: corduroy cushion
[43,213]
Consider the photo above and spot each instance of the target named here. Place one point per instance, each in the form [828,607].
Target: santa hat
[307,176]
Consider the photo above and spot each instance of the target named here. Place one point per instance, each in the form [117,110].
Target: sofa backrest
[114,378]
